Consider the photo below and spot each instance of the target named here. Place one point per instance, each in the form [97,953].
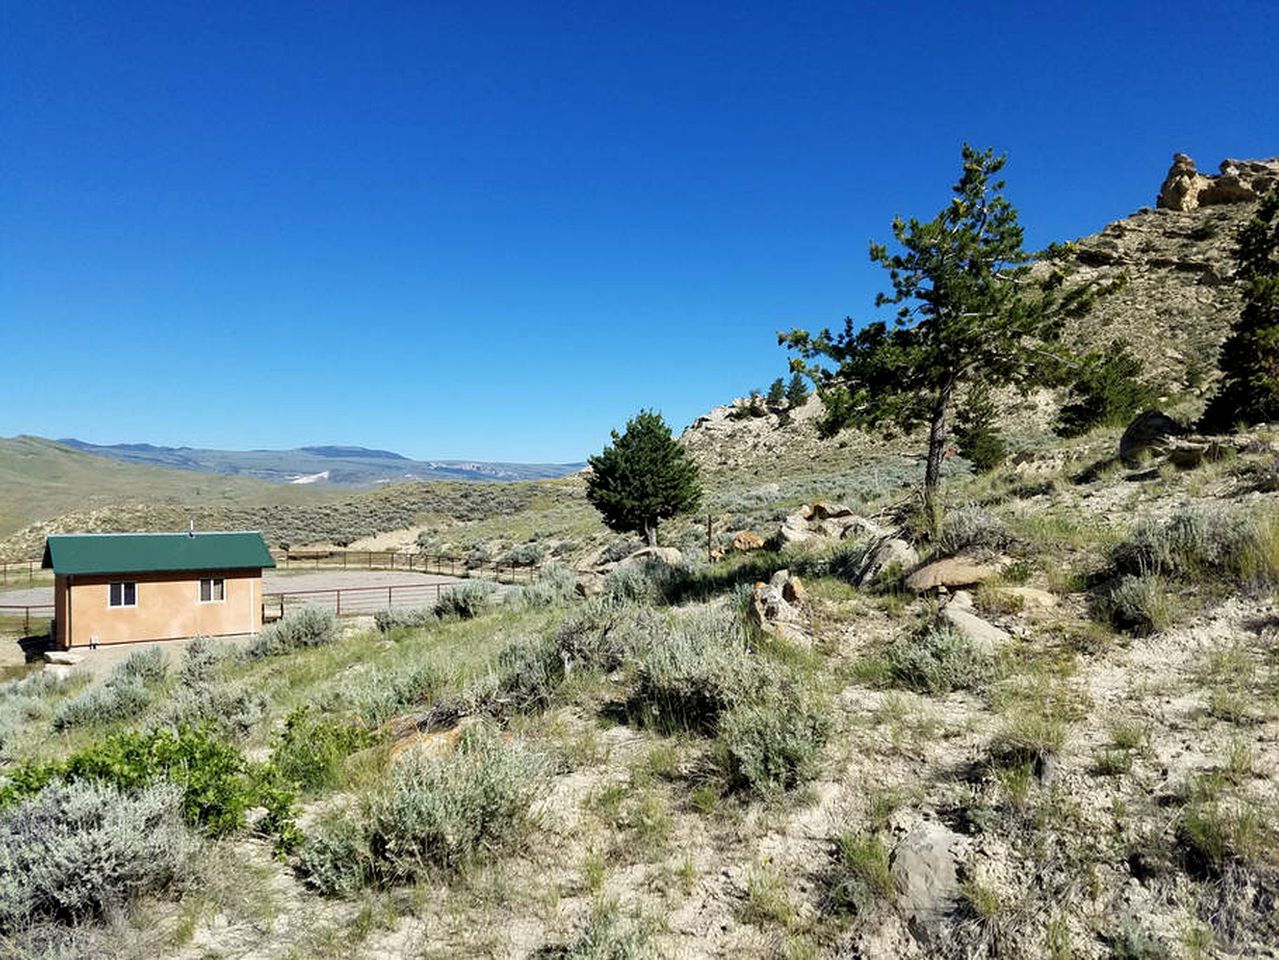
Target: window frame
[123,585]
[219,582]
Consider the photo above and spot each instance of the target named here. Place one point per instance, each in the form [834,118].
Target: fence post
[388,597]
[339,601]
[26,622]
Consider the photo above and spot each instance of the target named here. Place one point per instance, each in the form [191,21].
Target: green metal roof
[154,552]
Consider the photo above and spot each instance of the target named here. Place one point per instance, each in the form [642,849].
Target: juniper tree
[776,393]
[642,478]
[1249,389]
[968,311]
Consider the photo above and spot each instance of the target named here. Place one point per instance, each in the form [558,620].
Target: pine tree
[977,431]
[1108,391]
[776,393]
[642,478]
[968,312]
[796,391]
[1249,390]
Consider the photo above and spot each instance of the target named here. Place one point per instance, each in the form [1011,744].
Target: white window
[212,590]
[123,594]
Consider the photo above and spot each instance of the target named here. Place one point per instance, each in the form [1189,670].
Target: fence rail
[504,571]
[22,571]
[12,614]
[354,601]
[412,561]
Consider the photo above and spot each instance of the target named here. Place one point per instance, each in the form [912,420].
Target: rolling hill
[341,466]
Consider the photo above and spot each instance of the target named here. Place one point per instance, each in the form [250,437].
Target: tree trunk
[650,532]
[936,451]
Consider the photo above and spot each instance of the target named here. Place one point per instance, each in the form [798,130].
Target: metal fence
[21,616]
[504,571]
[22,571]
[354,601]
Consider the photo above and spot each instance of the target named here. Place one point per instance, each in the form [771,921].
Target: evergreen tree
[1249,389]
[642,478]
[977,431]
[776,393]
[1107,391]
[968,312]
[796,391]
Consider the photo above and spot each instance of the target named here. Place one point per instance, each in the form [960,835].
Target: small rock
[829,511]
[986,637]
[962,599]
[950,572]
[747,541]
[63,657]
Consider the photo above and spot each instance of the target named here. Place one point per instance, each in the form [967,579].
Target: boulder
[950,572]
[1182,186]
[859,528]
[794,530]
[880,556]
[1191,452]
[829,511]
[589,585]
[773,614]
[1239,181]
[63,657]
[925,871]
[1032,598]
[1148,433]
[747,541]
[792,587]
[986,637]
[667,555]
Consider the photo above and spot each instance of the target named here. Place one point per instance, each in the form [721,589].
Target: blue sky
[496,230]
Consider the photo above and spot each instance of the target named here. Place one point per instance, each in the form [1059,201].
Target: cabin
[129,587]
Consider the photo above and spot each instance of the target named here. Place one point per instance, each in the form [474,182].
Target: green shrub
[380,694]
[523,679]
[202,659]
[1108,392]
[308,627]
[399,618]
[465,601]
[218,784]
[232,709]
[971,528]
[1138,604]
[601,635]
[936,660]
[620,549]
[861,874]
[650,581]
[146,665]
[76,851]
[436,812]
[524,555]
[115,699]
[555,584]
[26,700]
[772,745]
[604,937]
[312,748]
[694,669]
[1131,942]
[1203,542]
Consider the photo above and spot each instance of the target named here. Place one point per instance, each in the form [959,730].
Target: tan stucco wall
[168,607]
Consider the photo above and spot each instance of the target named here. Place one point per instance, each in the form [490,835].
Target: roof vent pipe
[191,527]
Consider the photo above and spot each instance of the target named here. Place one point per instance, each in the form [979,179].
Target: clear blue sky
[495,230]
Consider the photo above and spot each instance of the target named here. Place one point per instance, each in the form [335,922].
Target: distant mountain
[343,466]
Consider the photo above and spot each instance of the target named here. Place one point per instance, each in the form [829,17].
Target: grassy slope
[40,479]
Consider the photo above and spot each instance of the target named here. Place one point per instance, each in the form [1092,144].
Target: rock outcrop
[1239,181]
[776,607]
[925,870]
